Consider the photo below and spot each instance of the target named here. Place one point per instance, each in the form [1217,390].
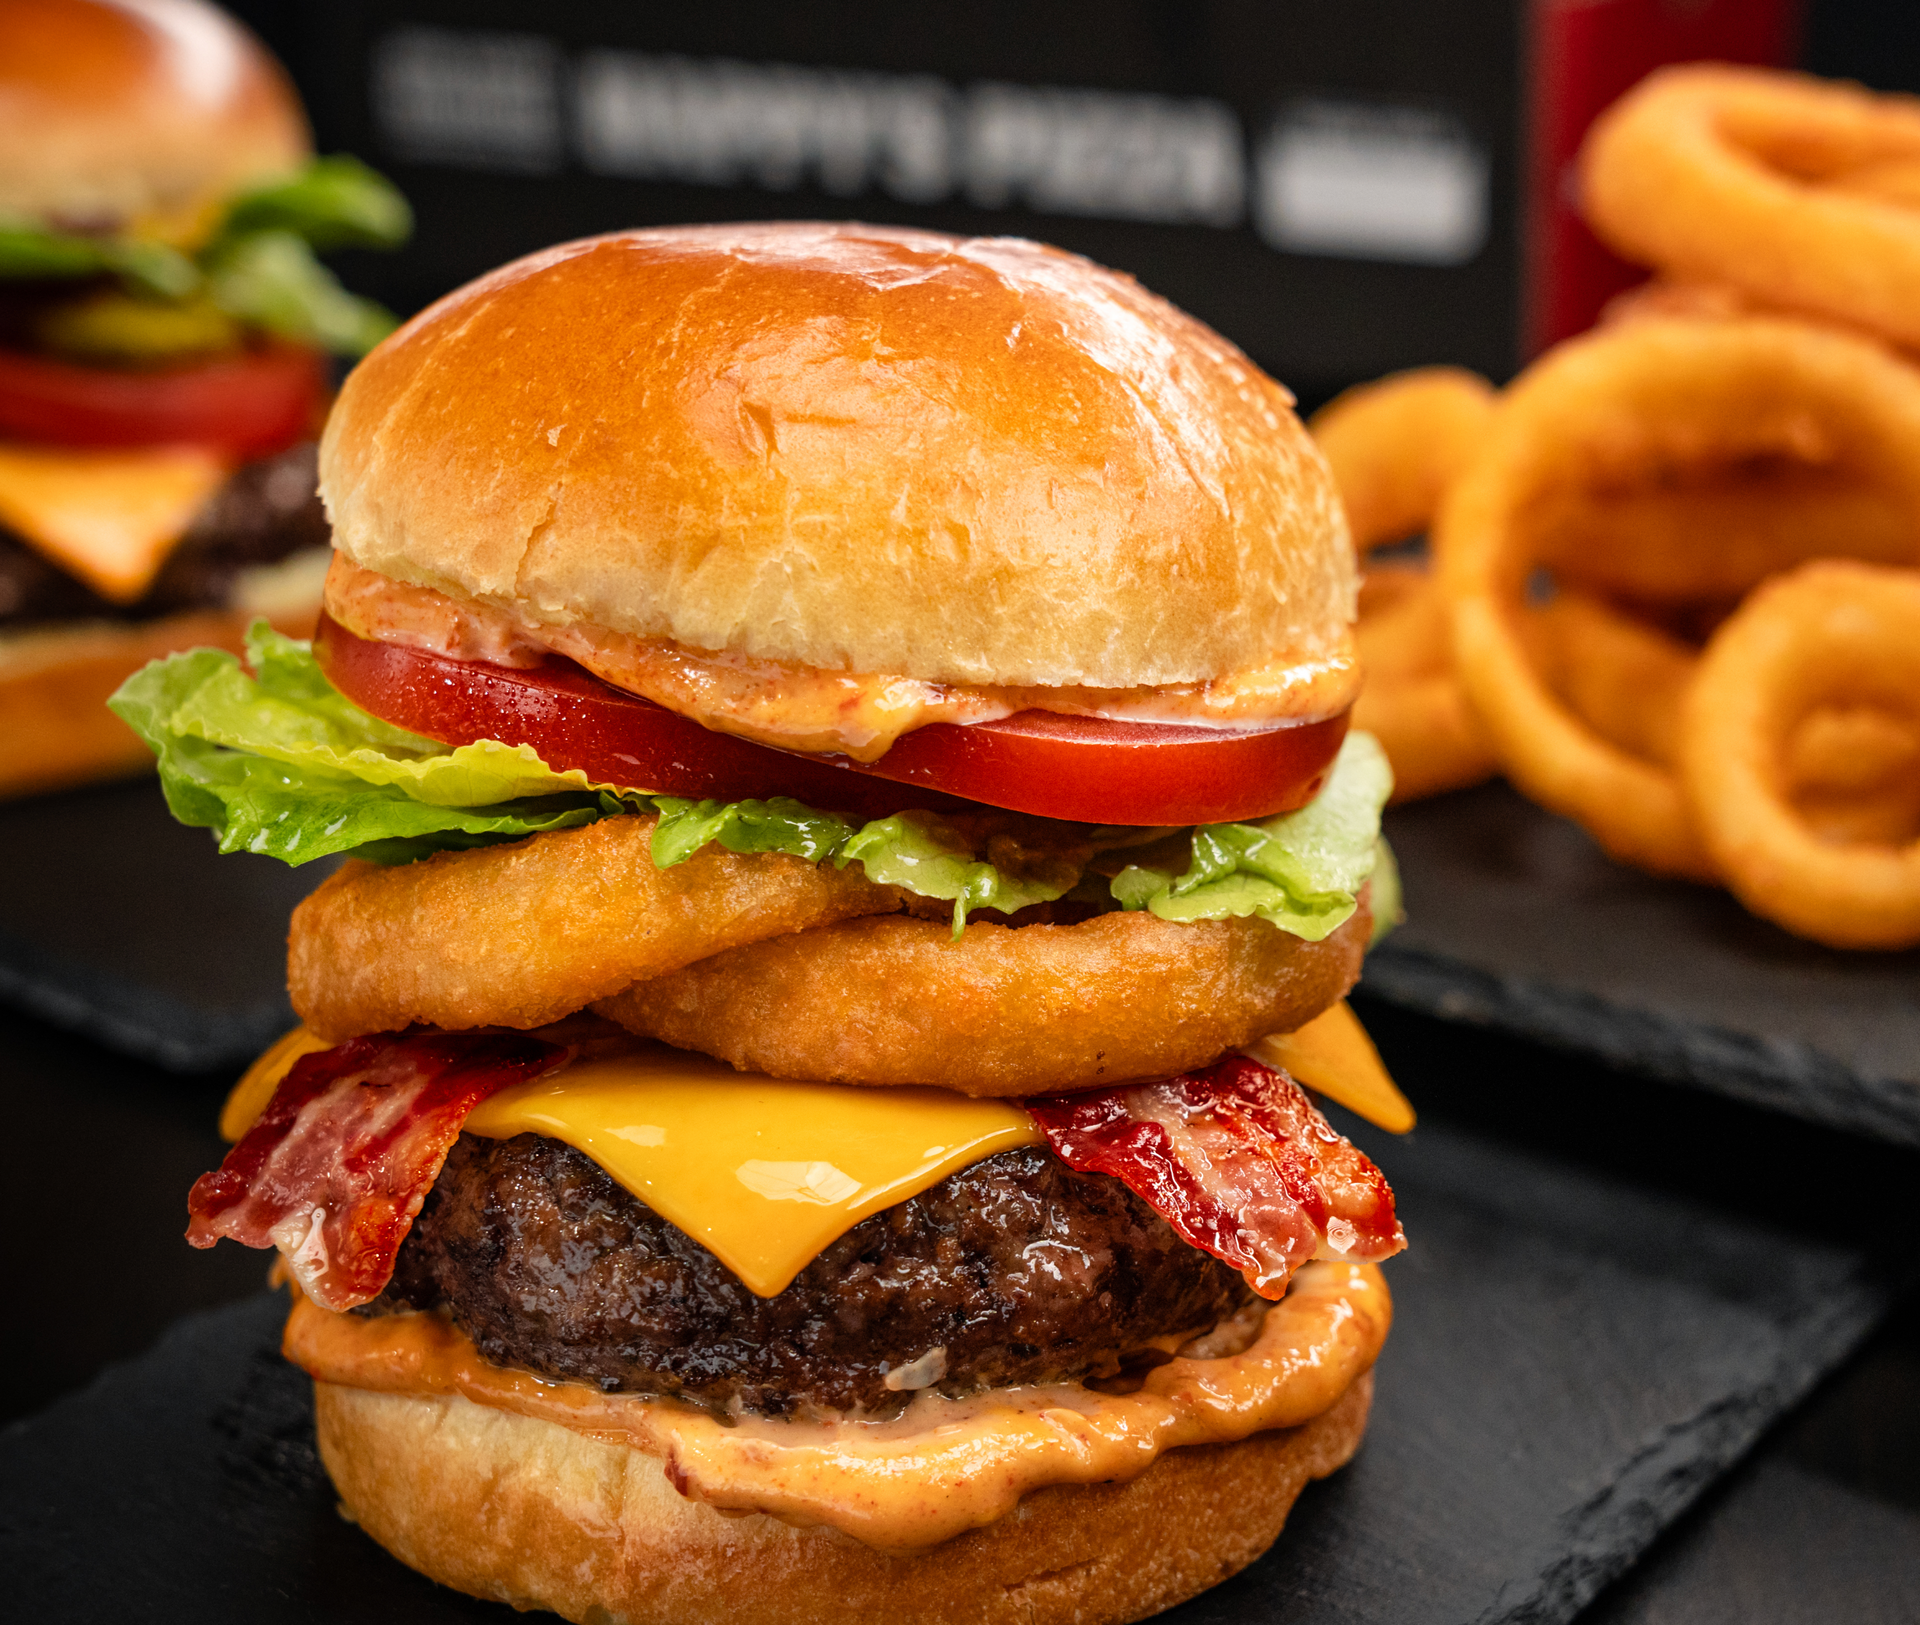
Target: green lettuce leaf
[929,857]
[273,759]
[335,202]
[288,712]
[281,764]
[779,825]
[1301,871]
[271,279]
[259,266]
[1387,902]
[30,250]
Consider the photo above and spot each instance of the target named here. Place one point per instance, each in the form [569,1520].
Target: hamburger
[854,849]
[164,328]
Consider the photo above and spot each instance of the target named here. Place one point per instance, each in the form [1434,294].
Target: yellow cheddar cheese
[1333,1056]
[108,518]
[766,1172]
[762,1172]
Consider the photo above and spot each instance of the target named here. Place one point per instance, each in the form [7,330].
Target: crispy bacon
[1235,1158]
[341,1160]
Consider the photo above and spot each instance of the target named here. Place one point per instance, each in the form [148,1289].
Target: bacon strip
[341,1160]
[1237,1159]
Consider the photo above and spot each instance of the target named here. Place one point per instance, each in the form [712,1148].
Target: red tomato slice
[1078,768]
[249,405]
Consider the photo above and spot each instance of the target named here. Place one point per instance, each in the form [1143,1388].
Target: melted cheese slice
[766,1173]
[109,518]
[1333,1056]
[762,1172]
[254,1091]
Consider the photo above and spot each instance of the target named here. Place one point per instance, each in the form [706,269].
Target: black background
[1317,323]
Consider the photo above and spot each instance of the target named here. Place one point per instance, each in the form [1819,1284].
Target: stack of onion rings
[747,957]
[1395,447]
[1641,514]
[1831,634]
[1802,193]
[999,1010]
[1657,404]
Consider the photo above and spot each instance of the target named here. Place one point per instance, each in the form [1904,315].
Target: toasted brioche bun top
[116,111]
[858,449]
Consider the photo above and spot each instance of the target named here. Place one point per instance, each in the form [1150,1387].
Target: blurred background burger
[165,329]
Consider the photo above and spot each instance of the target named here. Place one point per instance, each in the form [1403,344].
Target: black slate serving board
[1576,1355]
[1517,921]
[1821,1524]
[120,924]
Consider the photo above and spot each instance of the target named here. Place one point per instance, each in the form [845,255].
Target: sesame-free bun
[534,1514]
[972,460]
[112,111]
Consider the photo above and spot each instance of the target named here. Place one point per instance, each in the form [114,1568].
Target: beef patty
[269,510]
[1016,1269]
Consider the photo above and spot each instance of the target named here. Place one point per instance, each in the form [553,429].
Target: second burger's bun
[859,449]
[115,110]
[534,1514]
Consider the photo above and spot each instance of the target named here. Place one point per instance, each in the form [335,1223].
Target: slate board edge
[1791,1078]
[136,1021]
[1670,1472]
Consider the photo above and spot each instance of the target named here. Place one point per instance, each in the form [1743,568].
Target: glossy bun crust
[110,112]
[536,1515]
[854,448]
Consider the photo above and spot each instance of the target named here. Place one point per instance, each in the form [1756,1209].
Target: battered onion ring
[1402,633]
[1395,445]
[1624,678]
[1802,192]
[1884,813]
[1829,634]
[1853,774]
[1672,296]
[1647,544]
[523,934]
[1001,1011]
[1647,400]
[1430,735]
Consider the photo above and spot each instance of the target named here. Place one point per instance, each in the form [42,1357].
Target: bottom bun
[54,688]
[534,1514]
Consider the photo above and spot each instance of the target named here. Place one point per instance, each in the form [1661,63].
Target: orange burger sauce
[942,1466]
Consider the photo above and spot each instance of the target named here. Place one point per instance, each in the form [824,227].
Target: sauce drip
[939,1468]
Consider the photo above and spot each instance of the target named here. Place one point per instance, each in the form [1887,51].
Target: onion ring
[523,934]
[1429,733]
[1395,445]
[1626,406]
[1002,1010]
[1647,544]
[1829,634]
[1402,633]
[1803,193]
[1625,679]
[1853,773]
[1412,702]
